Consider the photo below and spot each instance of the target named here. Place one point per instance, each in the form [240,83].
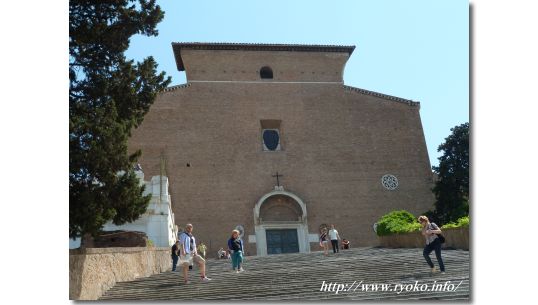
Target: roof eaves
[383,96]
[177,46]
[173,88]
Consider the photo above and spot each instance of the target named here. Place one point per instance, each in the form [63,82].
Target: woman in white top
[430,231]
[334,236]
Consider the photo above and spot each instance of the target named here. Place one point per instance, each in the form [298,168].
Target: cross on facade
[277,181]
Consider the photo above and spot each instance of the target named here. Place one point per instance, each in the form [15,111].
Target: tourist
[345,244]
[201,249]
[175,255]
[188,250]
[235,246]
[221,254]
[323,241]
[430,231]
[333,235]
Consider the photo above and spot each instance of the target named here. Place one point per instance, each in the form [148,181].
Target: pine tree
[108,97]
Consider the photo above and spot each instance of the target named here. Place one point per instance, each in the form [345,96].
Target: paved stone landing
[300,277]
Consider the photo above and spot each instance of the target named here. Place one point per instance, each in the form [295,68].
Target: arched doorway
[280,224]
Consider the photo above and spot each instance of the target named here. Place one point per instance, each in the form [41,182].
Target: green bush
[461,222]
[397,222]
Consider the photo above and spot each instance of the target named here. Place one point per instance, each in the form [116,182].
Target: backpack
[440,236]
[175,250]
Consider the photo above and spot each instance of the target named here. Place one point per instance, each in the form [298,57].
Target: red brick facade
[337,142]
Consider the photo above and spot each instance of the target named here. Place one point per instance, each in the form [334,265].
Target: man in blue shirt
[188,251]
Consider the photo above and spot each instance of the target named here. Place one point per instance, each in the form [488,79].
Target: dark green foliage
[397,222]
[452,188]
[108,96]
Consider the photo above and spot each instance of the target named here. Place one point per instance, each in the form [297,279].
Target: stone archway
[280,214]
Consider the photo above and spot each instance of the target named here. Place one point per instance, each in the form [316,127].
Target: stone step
[299,277]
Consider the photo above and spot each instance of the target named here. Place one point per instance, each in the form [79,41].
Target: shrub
[397,222]
[461,222]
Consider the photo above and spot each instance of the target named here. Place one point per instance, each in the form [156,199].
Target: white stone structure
[157,222]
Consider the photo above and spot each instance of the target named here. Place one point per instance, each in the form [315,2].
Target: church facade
[267,138]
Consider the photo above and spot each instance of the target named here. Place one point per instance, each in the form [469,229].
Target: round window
[271,139]
[390,182]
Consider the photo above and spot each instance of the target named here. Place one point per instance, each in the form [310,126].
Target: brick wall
[337,144]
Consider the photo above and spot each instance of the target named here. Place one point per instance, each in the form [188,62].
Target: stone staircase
[299,277]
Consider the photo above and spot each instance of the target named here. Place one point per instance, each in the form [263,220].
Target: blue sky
[414,49]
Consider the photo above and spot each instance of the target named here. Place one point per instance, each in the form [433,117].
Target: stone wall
[457,238]
[93,271]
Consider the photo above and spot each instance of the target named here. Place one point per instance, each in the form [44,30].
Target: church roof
[177,46]
[172,88]
[381,95]
[345,87]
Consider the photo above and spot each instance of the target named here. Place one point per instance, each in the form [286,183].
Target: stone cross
[277,181]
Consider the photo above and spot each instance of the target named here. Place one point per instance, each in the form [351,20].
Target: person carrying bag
[433,243]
